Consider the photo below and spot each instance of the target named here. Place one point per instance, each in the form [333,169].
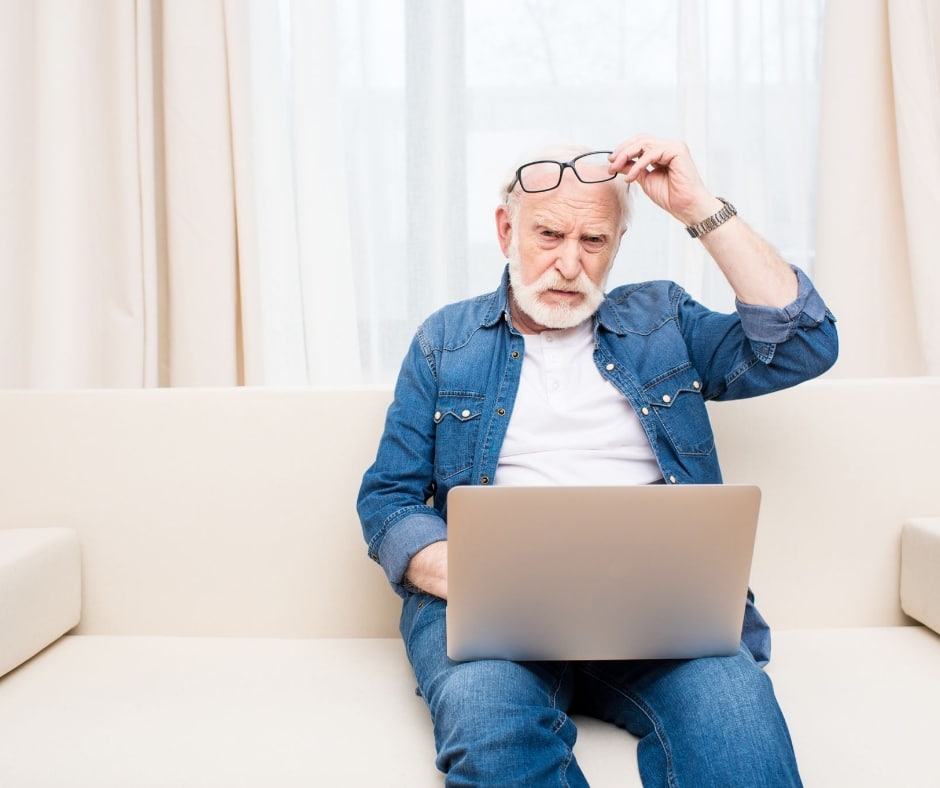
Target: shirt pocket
[677,401]
[457,418]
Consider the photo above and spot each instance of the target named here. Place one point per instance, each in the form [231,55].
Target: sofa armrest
[920,570]
[40,590]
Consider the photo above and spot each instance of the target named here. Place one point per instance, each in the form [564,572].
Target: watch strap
[713,221]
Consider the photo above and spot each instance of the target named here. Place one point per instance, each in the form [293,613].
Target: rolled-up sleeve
[396,521]
[771,325]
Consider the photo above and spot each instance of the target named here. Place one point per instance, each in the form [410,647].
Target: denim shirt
[663,351]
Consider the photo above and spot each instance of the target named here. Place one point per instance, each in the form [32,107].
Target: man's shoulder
[652,295]
[454,323]
[654,288]
[641,306]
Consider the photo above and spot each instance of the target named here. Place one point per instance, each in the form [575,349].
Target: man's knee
[477,690]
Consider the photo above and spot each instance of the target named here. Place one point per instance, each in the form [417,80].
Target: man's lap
[599,688]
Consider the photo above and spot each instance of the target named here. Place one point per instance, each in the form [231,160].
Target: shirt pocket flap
[677,401]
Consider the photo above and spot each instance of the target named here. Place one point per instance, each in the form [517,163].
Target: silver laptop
[578,573]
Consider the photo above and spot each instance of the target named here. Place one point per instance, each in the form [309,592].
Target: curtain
[236,192]
[120,263]
[879,184]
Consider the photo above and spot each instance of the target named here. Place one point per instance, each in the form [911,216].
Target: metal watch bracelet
[713,221]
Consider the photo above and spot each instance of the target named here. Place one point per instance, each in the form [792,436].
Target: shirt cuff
[770,325]
[403,541]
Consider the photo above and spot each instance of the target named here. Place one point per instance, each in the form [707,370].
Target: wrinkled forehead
[594,204]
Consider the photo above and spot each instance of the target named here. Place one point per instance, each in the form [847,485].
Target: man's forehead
[560,207]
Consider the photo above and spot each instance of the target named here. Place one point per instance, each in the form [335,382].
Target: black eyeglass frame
[517,178]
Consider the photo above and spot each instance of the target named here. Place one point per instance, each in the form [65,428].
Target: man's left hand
[665,171]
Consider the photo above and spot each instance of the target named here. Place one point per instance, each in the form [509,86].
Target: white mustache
[552,281]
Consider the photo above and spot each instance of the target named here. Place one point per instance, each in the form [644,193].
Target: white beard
[560,315]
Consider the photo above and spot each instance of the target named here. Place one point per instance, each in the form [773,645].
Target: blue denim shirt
[663,351]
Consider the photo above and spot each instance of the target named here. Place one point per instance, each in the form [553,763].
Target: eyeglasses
[545,175]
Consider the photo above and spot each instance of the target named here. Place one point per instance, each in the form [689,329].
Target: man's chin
[563,316]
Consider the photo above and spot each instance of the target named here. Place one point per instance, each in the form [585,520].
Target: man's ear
[503,229]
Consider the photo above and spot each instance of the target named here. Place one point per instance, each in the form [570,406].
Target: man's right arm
[397,522]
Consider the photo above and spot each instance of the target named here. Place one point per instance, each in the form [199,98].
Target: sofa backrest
[205,511]
[231,512]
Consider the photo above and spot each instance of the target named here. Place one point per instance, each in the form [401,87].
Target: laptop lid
[578,573]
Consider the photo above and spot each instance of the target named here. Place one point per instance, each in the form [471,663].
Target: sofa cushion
[108,712]
[863,706]
[40,590]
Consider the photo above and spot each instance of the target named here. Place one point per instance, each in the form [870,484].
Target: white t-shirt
[569,425]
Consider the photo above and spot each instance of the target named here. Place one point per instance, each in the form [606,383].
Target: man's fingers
[638,155]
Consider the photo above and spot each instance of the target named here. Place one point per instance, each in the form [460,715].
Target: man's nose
[569,258]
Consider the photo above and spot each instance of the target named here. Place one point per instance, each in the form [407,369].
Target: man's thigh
[694,718]
[633,694]
[424,630]
[496,722]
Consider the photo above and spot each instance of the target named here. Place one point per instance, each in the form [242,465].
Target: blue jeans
[702,723]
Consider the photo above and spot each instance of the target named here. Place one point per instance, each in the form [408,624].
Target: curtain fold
[879,184]
[71,307]
[201,266]
[914,30]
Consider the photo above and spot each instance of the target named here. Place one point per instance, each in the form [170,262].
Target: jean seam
[559,724]
[652,717]
[563,767]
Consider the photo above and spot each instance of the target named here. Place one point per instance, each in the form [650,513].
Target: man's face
[560,246]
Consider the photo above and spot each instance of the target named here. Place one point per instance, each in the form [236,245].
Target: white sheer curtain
[432,102]
[300,204]
[243,192]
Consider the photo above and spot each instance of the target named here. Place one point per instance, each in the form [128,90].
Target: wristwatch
[713,221]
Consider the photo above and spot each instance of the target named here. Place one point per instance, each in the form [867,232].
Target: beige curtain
[879,194]
[126,257]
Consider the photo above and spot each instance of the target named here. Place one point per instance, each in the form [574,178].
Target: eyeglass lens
[542,176]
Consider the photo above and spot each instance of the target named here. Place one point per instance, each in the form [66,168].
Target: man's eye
[594,241]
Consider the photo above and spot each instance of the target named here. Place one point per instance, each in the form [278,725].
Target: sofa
[186,599]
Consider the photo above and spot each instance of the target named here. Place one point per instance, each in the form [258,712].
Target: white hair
[561,153]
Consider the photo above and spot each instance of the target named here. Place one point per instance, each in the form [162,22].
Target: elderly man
[479,401]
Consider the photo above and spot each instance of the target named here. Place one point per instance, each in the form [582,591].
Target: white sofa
[232,631]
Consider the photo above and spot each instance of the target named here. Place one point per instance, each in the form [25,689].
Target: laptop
[598,573]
